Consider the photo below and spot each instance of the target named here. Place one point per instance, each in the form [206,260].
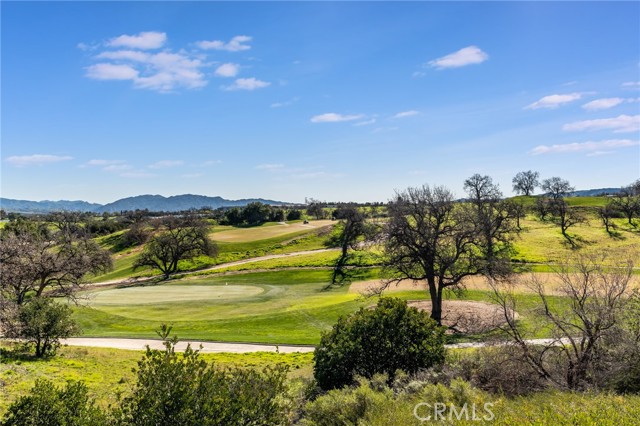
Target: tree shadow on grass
[617,235]
[15,352]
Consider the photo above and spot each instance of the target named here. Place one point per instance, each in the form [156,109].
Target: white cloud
[36,159]
[417,74]
[332,117]
[406,114]
[143,40]
[172,70]
[285,103]
[102,163]
[117,168]
[236,44]
[88,47]
[465,56]
[599,153]
[111,166]
[127,58]
[247,84]
[163,71]
[210,163]
[619,124]
[554,101]
[589,146]
[631,85]
[165,164]
[106,71]
[131,55]
[227,70]
[270,167]
[366,122]
[604,103]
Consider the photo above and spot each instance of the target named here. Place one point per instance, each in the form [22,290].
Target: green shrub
[182,389]
[48,405]
[388,338]
[43,322]
[346,407]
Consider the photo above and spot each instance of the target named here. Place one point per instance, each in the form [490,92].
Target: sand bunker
[466,316]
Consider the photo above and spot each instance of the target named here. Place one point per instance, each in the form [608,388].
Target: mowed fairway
[271,230]
[271,307]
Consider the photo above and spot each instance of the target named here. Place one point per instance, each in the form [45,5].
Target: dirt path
[238,348]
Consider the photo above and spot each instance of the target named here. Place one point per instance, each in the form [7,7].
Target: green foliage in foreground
[48,405]
[107,373]
[183,389]
[171,389]
[373,403]
[388,338]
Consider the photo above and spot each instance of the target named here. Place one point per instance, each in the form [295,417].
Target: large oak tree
[429,238]
[33,264]
[178,238]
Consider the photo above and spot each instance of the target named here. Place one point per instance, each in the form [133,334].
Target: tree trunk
[436,301]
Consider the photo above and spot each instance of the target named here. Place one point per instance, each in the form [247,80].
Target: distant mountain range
[595,192]
[174,203]
[140,202]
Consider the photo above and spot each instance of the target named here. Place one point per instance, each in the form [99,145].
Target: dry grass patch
[244,235]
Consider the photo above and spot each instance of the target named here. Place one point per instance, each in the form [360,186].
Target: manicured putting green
[171,294]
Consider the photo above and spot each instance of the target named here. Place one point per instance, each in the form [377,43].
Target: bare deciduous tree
[493,220]
[562,214]
[627,203]
[353,227]
[605,214]
[525,183]
[598,294]
[556,187]
[517,210]
[30,263]
[566,217]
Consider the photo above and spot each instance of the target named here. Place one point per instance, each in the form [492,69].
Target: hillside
[140,202]
[24,206]
[178,203]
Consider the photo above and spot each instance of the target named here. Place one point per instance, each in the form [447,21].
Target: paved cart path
[213,347]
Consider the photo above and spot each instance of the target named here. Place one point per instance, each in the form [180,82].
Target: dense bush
[390,337]
[501,370]
[182,389]
[41,322]
[294,215]
[48,405]
[136,235]
[371,402]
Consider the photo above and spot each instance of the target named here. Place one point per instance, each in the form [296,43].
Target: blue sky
[334,100]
